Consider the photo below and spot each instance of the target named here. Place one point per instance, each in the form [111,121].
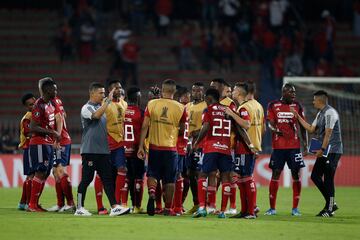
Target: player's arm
[59,124]
[273,128]
[144,131]
[26,126]
[271,121]
[331,118]
[203,131]
[98,113]
[240,121]
[309,127]
[35,127]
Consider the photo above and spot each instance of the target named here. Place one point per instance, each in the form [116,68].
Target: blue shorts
[180,163]
[244,164]
[162,165]
[42,157]
[62,155]
[118,158]
[27,164]
[216,161]
[135,168]
[194,161]
[293,158]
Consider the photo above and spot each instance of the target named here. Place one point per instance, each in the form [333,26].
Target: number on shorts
[298,157]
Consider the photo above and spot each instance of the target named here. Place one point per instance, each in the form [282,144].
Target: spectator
[87,37]
[309,53]
[186,42]
[329,31]
[137,15]
[244,39]
[7,144]
[163,9]
[227,50]
[277,10]
[207,42]
[293,64]
[357,18]
[322,69]
[209,12]
[278,65]
[120,37]
[229,10]
[130,55]
[66,42]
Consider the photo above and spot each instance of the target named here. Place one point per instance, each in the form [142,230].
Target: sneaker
[256,210]
[321,213]
[150,208]
[239,215]
[295,212]
[270,212]
[193,209]
[103,211]
[67,208]
[119,210]
[178,212]
[159,211]
[335,207]
[222,215]
[327,213]
[231,211]
[82,212]
[201,212]
[249,216]
[170,212]
[211,210]
[35,209]
[54,208]
[22,206]
[138,210]
[41,208]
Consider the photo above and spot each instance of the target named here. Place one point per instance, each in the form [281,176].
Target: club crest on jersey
[164,112]
[287,115]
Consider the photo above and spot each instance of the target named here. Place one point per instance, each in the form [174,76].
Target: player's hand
[56,135]
[111,94]
[319,153]
[296,114]
[57,145]
[141,153]
[229,112]
[189,148]
[278,132]
[194,147]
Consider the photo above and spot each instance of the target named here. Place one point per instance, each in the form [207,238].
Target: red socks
[67,189]
[296,192]
[28,190]
[202,191]
[186,188]
[225,194]
[233,192]
[212,196]
[138,192]
[273,189]
[59,193]
[242,188]
[179,187]
[250,193]
[98,192]
[37,187]
[121,188]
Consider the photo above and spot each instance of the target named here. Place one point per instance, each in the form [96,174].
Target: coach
[327,129]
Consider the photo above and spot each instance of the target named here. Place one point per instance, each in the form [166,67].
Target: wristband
[323,149]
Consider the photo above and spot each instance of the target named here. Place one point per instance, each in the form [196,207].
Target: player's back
[132,127]
[115,114]
[165,116]
[24,130]
[218,138]
[194,115]
[256,113]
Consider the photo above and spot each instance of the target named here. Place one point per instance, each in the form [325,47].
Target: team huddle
[194,140]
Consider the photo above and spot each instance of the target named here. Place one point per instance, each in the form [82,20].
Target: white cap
[325,13]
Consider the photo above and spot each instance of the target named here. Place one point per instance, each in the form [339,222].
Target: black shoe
[150,208]
[327,213]
[335,207]
[239,215]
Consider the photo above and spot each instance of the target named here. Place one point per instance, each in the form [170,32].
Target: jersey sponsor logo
[277,104]
[164,112]
[37,114]
[286,115]
[218,145]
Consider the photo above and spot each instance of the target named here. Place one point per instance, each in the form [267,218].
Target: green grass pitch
[15,224]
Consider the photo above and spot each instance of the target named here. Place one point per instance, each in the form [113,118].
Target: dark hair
[112,81]
[26,97]
[46,83]
[213,93]
[199,84]
[251,87]
[243,85]
[95,85]
[321,93]
[288,85]
[132,94]
[227,84]
[219,80]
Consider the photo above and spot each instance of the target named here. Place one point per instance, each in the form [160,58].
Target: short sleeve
[26,126]
[244,114]
[270,114]
[331,117]
[37,114]
[87,111]
[147,113]
[205,116]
